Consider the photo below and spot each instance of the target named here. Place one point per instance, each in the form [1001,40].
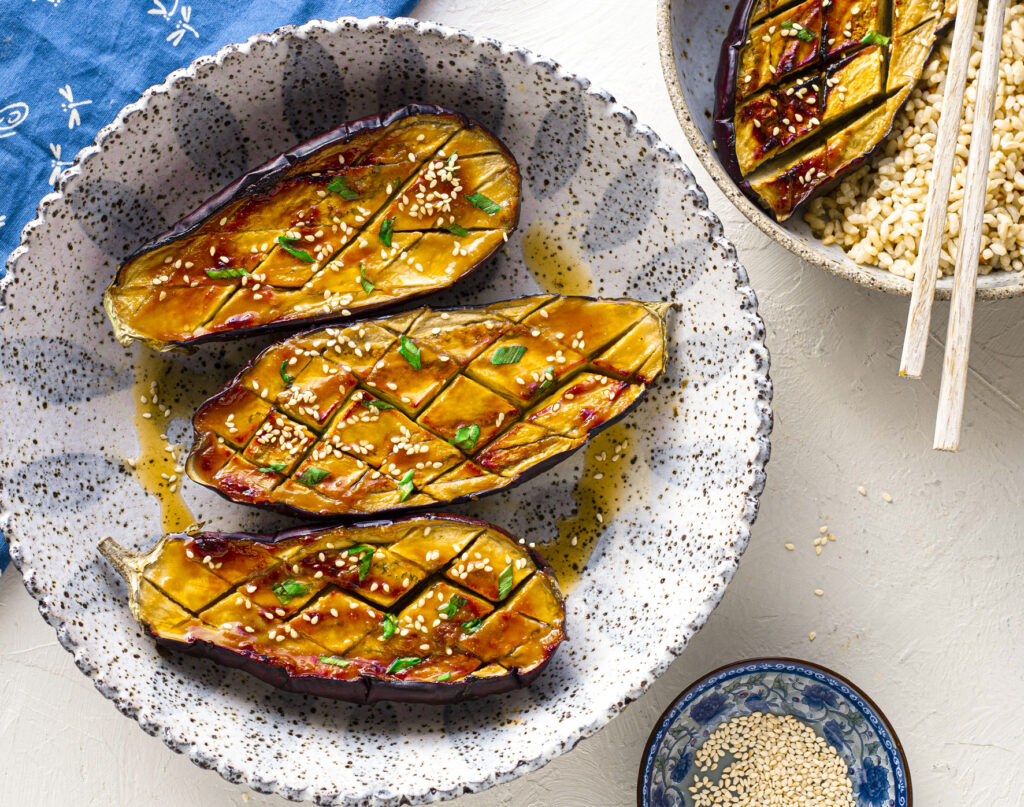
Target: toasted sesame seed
[778,760]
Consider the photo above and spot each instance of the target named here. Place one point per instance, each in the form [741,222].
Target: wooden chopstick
[965,277]
[915,341]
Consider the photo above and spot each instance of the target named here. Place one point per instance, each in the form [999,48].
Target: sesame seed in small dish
[773,733]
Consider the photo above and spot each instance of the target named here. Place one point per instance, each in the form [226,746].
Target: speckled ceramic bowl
[690,36]
[597,186]
[835,708]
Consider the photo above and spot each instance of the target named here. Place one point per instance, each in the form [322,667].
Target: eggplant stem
[124,561]
[661,308]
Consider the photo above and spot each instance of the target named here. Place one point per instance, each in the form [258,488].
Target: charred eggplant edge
[365,689]
[265,177]
[659,310]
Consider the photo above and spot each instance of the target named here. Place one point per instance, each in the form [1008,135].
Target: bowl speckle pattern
[615,195]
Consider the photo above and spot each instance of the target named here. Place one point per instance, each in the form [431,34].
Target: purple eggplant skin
[723,125]
[363,690]
[266,176]
[367,689]
[411,510]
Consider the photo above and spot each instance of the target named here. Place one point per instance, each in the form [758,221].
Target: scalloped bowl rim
[761,384]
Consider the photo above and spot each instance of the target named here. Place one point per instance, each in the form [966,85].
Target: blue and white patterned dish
[596,183]
[835,708]
[690,36]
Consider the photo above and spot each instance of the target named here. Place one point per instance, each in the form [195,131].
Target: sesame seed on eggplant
[807,91]
[431,609]
[427,407]
[367,216]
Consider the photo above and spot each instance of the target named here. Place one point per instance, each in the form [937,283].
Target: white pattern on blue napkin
[66,69]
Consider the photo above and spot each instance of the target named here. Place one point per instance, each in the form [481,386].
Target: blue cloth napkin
[66,68]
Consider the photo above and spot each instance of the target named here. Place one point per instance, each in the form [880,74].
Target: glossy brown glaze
[426,407]
[361,218]
[435,608]
[797,79]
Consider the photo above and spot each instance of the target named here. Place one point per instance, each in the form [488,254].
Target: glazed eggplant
[432,609]
[426,407]
[806,91]
[365,216]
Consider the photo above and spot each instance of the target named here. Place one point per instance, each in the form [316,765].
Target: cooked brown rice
[876,214]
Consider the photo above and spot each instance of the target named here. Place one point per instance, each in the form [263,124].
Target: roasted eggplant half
[426,407]
[432,609]
[365,216]
[806,91]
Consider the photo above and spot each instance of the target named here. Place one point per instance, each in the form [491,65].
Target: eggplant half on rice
[807,91]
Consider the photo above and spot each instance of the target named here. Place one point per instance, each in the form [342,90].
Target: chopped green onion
[451,608]
[473,625]
[444,677]
[334,661]
[411,352]
[365,559]
[340,187]
[799,31]
[872,37]
[466,437]
[368,286]
[381,405]
[301,254]
[220,274]
[505,581]
[312,476]
[289,590]
[273,468]
[287,379]
[387,228]
[400,664]
[455,229]
[405,486]
[489,206]
[390,623]
[508,354]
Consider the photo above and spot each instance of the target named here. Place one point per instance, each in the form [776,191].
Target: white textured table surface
[922,600]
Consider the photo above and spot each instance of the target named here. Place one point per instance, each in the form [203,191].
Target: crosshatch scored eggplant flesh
[808,90]
[434,608]
[427,407]
[364,217]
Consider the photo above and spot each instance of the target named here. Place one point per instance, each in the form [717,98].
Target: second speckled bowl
[690,36]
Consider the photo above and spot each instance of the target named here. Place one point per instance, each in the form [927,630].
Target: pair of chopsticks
[965,278]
